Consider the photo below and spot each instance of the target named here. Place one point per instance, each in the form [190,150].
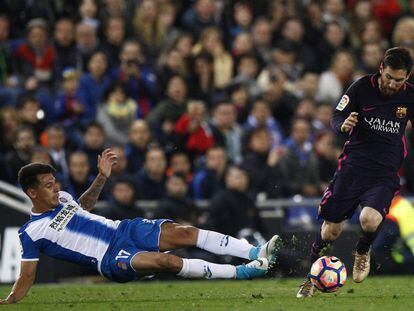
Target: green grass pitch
[385,293]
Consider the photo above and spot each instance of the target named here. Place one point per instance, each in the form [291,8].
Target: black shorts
[347,191]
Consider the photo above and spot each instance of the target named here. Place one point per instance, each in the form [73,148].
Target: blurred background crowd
[226,101]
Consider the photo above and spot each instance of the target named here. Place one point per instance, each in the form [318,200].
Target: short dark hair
[398,58]
[27,175]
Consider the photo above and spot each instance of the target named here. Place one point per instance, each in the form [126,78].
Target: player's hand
[350,122]
[105,162]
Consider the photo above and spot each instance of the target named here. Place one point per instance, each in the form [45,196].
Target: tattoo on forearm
[89,198]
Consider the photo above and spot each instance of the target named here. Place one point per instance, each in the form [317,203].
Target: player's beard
[385,90]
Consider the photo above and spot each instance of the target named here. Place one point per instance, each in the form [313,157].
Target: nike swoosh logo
[366,109]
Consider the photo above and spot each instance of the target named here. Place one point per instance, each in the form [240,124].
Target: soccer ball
[328,274]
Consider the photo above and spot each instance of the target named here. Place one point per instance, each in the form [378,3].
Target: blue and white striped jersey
[67,232]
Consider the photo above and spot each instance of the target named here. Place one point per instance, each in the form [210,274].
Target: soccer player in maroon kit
[373,113]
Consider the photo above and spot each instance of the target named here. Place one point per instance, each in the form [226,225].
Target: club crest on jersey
[343,103]
[63,200]
[401,112]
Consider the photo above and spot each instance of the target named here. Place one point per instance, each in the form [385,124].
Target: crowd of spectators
[228,101]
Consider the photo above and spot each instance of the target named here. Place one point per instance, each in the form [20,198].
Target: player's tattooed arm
[105,163]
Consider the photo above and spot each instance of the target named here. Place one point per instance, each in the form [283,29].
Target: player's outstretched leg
[148,263]
[370,220]
[329,232]
[175,236]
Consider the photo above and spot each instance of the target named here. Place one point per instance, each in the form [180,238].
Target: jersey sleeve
[346,105]
[30,251]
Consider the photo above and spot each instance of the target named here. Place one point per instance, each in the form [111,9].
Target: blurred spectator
[118,8]
[242,44]
[333,40]
[40,155]
[94,84]
[119,169]
[337,78]
[370,58]
[361,13]
[117,114]
[262,36]
[202,79]
[122,203]
[114,36]
[150,182]
[171,62]
[69,110]
[200,16]
[80,177]
[322,120]
[260,163]
[282,101]
[261,116]
[175,204]
[24,142]
[209,179]
[88,13]
[173,106]
[327,152]
[292,30]
[31,10]
[31,115]
[242,18]
[139,79]
[240,97]
[299,165]
[8,81]
[148,29]
[139,141]
[167,16]
[211,41]
[307,86]
[313,23]
[248,68]
[403,31]
[231,210]
[180,163]
[65,47]
[372,32]
[193,131]
[333,11]
[183,43]
[86,42]
[35,58]
[54,141]
[9,123]
[306,109]
[226,131]
[93,144]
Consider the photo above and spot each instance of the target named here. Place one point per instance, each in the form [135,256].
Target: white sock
[221,244]
[197,268]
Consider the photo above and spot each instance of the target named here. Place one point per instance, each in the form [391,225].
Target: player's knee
[169,262]
[187,234]
[369,224]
